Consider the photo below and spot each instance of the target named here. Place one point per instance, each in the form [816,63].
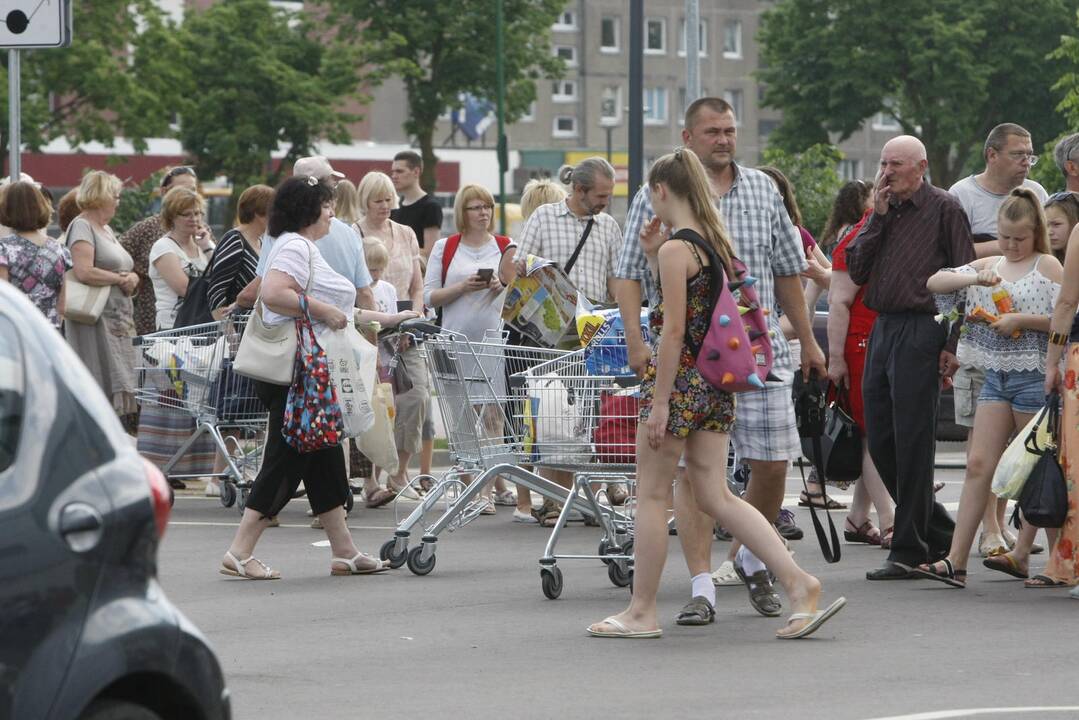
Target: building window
[732,39]
[610,32]
[655,36]
[564,91]
[886,122]
[566,21]
[565,126]
[702,34]
[610,106]
[655,106]
[766,128]
[736,98]
[568,53]
[850,170]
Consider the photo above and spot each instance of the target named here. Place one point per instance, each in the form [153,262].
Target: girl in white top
[300,215]
[1011,350]
[176,257]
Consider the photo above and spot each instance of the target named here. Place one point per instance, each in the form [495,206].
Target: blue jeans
[1024,390]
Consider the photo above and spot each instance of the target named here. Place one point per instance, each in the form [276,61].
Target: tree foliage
[1046,171]
[813,174]
[93,90]
[442,50]
[947,71]
[260,78]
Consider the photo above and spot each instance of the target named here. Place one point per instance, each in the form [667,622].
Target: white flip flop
[623,631]
[815,620]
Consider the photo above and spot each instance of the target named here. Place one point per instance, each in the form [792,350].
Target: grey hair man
[1065,155]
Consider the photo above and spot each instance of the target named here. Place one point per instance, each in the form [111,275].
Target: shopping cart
[189,370]
[491,397]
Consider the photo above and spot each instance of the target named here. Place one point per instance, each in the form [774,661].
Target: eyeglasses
[1020,156]
[480,208]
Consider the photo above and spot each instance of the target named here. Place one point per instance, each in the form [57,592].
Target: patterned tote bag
[312,414]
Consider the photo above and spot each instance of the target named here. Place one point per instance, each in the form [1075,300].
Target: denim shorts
[1024,390]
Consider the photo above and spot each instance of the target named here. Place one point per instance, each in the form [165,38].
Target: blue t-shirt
[342,249]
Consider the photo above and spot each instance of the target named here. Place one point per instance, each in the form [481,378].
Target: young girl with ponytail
[682,414]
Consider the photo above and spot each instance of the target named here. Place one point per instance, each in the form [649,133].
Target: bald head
[906,146]
[902,166]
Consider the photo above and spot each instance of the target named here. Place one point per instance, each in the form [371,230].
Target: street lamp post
[609,116]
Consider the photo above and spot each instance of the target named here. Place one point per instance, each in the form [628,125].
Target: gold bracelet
[1058,338]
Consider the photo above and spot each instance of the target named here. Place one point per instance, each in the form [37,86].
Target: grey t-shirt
[981,206]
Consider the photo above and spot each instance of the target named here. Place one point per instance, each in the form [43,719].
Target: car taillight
[160,496]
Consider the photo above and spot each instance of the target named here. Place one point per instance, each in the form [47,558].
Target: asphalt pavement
[476,638]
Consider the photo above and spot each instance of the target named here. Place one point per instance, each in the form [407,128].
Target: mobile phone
[485,274]
[403,305]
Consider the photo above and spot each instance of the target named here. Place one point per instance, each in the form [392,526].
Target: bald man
[914,231]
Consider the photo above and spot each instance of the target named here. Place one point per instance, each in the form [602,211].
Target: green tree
[261,78]
[1046,171]
[814,177]
[947,71]
[92,91]
[443,49]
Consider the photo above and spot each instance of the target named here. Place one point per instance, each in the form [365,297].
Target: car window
[12,392]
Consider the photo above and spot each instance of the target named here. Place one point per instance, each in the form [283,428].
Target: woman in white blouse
[176,257]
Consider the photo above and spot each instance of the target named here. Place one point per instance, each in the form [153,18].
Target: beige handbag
[83,303]
[268,352]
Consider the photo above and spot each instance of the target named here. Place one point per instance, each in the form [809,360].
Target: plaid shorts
[765,427]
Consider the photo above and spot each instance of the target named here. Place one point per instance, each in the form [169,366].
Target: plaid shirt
[763,236]
[553,231]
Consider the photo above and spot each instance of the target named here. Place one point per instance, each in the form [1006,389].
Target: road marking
[197,523]
[971,712]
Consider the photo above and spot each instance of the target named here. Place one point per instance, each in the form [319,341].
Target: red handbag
[615,436]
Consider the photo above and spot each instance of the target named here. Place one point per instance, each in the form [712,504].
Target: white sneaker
[212,489]
[725,575]
[523,517]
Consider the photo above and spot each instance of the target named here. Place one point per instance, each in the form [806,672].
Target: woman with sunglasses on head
[299,217]
[683,415]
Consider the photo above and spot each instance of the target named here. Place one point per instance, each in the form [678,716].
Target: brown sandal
[379,497]
[865,533]
[886,538]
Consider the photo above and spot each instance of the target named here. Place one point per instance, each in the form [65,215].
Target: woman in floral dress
[29,259]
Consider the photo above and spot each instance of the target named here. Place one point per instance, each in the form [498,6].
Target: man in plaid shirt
[764,433]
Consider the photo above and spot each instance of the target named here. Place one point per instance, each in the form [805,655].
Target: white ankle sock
[703,587]
[749,562]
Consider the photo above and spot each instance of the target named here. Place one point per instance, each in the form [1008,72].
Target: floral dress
[1063,565]
[37,270]
[695,403]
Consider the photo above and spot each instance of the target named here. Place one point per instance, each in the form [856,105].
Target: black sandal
[949,575]
[809,499]
[762,594]
[697,611]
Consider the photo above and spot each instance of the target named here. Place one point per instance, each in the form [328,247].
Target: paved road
[477,639]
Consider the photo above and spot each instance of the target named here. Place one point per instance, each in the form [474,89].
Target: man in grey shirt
[1066,156]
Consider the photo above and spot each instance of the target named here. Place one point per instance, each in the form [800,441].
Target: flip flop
[383,566]
[1043,581]
[1006,564]
[623,632]
[815,620]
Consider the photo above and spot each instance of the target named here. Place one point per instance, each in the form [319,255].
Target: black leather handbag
[1043,501]
[810,403]
[841,442]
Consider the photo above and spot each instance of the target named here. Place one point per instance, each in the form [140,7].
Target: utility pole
[14,94]
[693,50]
[503,154]
[636,95]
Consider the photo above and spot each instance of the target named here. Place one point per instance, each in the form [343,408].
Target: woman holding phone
[470,288]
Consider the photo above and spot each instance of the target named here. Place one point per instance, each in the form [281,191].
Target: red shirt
[861,317]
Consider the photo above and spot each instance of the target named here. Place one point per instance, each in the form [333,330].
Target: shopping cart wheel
[551,580]
[386,553]
[350,501]
[604,549]
[228,494]
[416,564]
[619,573]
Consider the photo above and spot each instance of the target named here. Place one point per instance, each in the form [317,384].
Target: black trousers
[901,390]
[322,471]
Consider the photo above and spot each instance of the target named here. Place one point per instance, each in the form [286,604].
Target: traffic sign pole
[14,114]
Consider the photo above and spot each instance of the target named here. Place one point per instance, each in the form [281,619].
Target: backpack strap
[454,241]
[713,281]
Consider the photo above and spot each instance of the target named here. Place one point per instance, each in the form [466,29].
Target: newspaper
[541,303]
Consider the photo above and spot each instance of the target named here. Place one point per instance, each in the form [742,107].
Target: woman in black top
[237,253]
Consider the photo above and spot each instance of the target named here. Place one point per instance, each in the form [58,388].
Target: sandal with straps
[380,565]
[866,533]
[239,568]
[949,575]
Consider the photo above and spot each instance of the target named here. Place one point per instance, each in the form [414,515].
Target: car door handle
[80,525]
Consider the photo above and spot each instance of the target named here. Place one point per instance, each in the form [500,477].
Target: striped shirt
[762,234]
[895,253]
[553,231]
[234,264]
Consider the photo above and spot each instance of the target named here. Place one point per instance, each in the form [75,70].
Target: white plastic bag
[1017,462]
[352,370]
[556,421]
[377,441]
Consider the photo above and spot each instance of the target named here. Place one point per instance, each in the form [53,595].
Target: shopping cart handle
[419,328]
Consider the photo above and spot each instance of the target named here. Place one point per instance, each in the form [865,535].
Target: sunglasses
[1063,196]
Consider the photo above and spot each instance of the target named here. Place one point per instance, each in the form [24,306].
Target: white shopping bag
[377,442]
[1018,462]
[557,423]
[352,369]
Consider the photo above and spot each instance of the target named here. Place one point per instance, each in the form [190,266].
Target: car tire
[110,709]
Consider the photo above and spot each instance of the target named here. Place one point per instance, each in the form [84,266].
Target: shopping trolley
[490,411]
[190,370]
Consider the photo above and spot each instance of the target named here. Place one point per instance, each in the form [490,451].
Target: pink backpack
[736,354]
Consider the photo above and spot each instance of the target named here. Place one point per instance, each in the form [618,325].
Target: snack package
[603,337]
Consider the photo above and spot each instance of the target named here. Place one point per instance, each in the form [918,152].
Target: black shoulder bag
[195,306]
[1043,500]
[809,408]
